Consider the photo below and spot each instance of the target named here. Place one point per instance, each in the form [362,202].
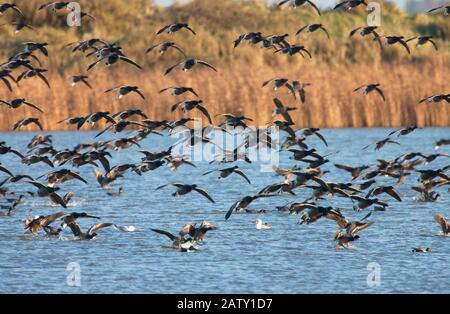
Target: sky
[321,3]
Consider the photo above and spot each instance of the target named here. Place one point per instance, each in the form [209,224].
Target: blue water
[236,258]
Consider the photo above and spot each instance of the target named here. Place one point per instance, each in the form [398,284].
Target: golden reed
[338,65]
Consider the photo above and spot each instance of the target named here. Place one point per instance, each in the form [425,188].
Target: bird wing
[242,174]
[36,184]
[326,32]
[394,194]
[204,193]
[51,218]
[205,112]
[77,176]
[3,169]
[140,93]
[33,106]
[231,210]
[111,89]
[404,44]
[206,64]
[443,222]
[434,44]
[86,83]
[106,129]
[169,69]
[301,29]
[314,6]
[99,226]
[278,103]
[166,233]
[209,172]
[75,228]
[192,31]
[380,92]
[130,62]
[43,78]
[162,29]
[7,83]
[179,49]
[152,48]
[353,32]
[56,198]
[358,226]
[92,65]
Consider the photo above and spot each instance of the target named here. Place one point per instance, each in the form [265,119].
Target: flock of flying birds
[363,189]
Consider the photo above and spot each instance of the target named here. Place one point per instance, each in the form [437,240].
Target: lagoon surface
[236,258]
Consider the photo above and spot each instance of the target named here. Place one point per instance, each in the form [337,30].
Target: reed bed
[338,65]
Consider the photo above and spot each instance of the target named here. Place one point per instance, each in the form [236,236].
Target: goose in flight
[189,105]
[55,5]
[392,40]
[27,121]
[164,46]
[18,26]
[34,159]
[298,87]
[384,189]
[365,31]
[61,176]
[33,46]
[18,102]
[244,203]
[404,131]
[34,73]
[125,90]
[183,189]
[43,223]
[348,230]
[436,99]
[354,171]
[314,131]
[277,83]
[112,59]
[4,149]
[179,90]
[315,212]
[291,50]
[365,202]
[422,40]
[80,78]
[226,172]
[120,126]
[195,234]
[299,3]
[189,64]
[443,222]
[47,191]
[70,221]
[172,28]
[366,89]
[282,110]
[310,28]
[252,37]
[381,143]
[350,4]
